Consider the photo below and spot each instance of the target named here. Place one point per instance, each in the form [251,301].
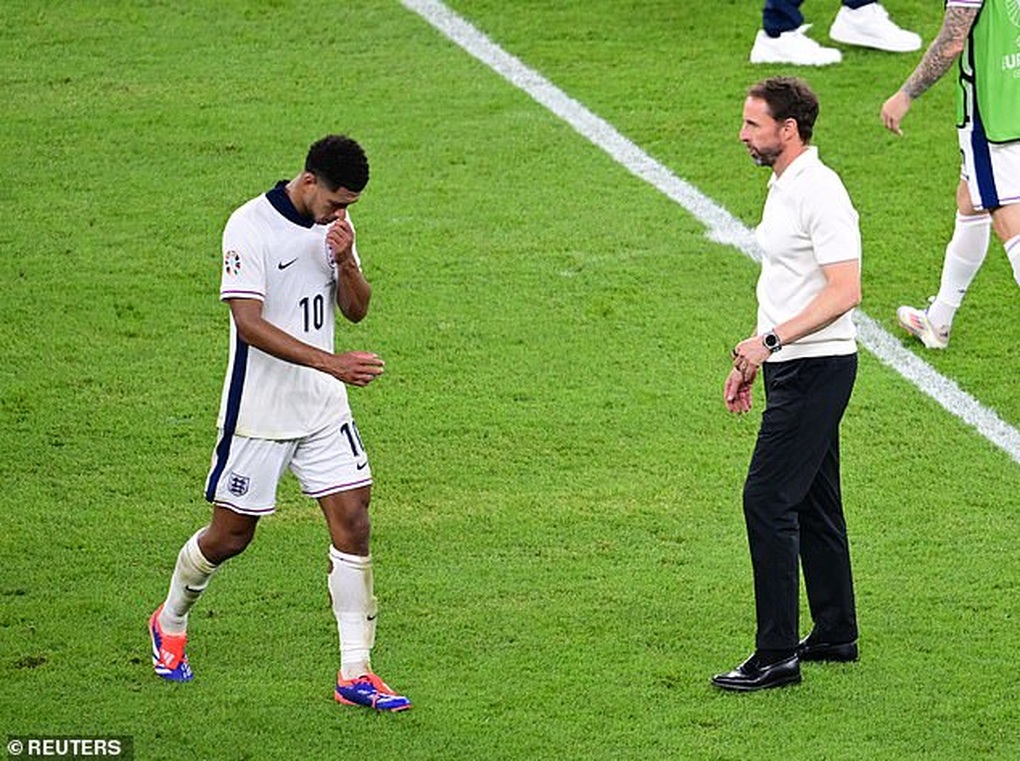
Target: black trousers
[793,505]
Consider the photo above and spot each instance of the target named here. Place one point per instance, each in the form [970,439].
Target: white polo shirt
[808,222]
[274,255]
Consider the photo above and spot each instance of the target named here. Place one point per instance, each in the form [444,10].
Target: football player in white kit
[982,37]
[289,262]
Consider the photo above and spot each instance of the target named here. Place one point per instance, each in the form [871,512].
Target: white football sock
[191,577]
[1013,252]
[965,254]
[355,608]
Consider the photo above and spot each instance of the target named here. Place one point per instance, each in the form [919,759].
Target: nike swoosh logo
[285,265]
[361,465]
[372,618]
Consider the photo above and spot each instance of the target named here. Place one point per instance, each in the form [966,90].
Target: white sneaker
[870,26]
[916,322]
[792,47]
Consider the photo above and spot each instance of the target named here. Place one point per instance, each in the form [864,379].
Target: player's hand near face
[353,292]
[340,239]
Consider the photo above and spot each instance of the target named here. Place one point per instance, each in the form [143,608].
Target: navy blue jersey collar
[281,202]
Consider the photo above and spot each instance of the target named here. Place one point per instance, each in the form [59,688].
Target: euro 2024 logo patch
[232,263]
[1011,62]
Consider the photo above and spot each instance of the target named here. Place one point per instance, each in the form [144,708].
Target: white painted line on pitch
[722,226]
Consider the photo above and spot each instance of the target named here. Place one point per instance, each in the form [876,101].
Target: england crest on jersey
[238,484]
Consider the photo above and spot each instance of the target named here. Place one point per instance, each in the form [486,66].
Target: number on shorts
[350,430]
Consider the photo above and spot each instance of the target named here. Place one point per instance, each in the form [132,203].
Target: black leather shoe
[751,675]
[830,652]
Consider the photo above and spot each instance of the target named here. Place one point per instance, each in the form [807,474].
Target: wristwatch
[771,342]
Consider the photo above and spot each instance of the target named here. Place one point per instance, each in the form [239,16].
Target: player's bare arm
[937,60]
[353,291]
[357,368]
[944,49]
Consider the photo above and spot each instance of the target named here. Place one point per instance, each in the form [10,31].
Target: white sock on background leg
[965,253]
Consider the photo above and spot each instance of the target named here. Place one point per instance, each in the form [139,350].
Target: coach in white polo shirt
[805,345]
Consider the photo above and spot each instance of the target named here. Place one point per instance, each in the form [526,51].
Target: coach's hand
[737,391]
[748,356]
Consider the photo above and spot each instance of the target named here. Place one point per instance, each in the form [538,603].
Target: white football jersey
[273,254]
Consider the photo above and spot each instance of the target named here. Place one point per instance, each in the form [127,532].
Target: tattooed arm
[944,49]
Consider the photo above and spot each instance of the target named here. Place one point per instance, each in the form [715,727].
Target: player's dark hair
[338,161]
[789,98]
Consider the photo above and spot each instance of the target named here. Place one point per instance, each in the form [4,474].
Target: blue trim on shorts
[983,163]
[230,419]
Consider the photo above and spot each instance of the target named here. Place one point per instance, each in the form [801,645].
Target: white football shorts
[245,472]
[991,170]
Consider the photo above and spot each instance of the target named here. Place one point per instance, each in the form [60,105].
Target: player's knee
[350,530]
[219,546]
[356,525]
[1006,222]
